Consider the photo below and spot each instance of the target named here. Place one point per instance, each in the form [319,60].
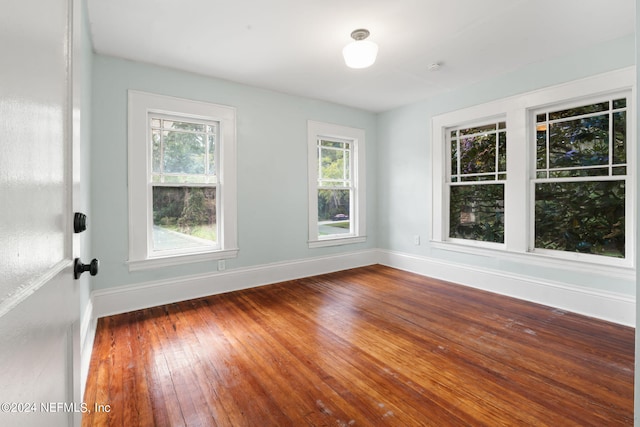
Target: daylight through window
[183,178]
[335,187]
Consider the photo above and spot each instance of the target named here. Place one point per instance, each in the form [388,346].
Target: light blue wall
[272,175]
[272,167]
[404,180]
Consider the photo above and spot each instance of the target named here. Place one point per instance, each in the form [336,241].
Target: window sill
[337,241]
[168,261]
[611,267]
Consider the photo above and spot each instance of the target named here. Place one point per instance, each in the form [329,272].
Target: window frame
[519,112]
[141,105]
[533,169]
[317,131]
[459,182]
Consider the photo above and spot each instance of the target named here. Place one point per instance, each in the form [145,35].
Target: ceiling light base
[360,34]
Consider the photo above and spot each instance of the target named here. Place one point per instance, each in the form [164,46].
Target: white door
[39,302]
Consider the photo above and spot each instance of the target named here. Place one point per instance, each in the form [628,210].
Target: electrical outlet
[221,265]
[416,240]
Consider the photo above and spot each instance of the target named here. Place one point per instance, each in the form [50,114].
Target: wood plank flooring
[372,346]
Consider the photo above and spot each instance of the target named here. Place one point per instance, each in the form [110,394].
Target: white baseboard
[610,306]
[128,298]
[613,307]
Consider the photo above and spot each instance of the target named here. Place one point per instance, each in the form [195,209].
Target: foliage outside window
[569,194]
[183,179]
[336,184]
[580,178]
[478,169]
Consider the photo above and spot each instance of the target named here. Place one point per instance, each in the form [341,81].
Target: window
[561,188]
[183,181]
[182,200]
[580,178]
[478,164]
[336,185]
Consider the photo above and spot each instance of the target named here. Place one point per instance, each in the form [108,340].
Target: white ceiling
[294,46]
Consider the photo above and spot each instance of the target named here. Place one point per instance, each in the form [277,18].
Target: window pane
[502,151]
[184,217]
[454,157]
[186,126]
[333,212]
[334,164]
[485,177]
[586,217]
[477,212]
[620,103]
[184,153]
[581,142]
[620,170]
[572,173]
[478,129]
[212,152]
[156,146]
[478,154]
[620,137]
[333,144]
[334,183]
[541,148]
[586,109]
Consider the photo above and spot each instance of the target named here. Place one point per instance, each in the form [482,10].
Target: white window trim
[356,136]
[518,111]
[139,164]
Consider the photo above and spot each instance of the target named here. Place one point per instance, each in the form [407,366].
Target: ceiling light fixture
[360,53]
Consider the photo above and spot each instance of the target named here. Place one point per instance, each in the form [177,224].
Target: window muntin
[478,169]
[580,179]
[335,187]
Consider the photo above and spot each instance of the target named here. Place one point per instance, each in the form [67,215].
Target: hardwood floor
[371,346]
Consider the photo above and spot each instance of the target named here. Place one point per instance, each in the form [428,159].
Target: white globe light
[360,53]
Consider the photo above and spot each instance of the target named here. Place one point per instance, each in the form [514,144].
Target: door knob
[79,267]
